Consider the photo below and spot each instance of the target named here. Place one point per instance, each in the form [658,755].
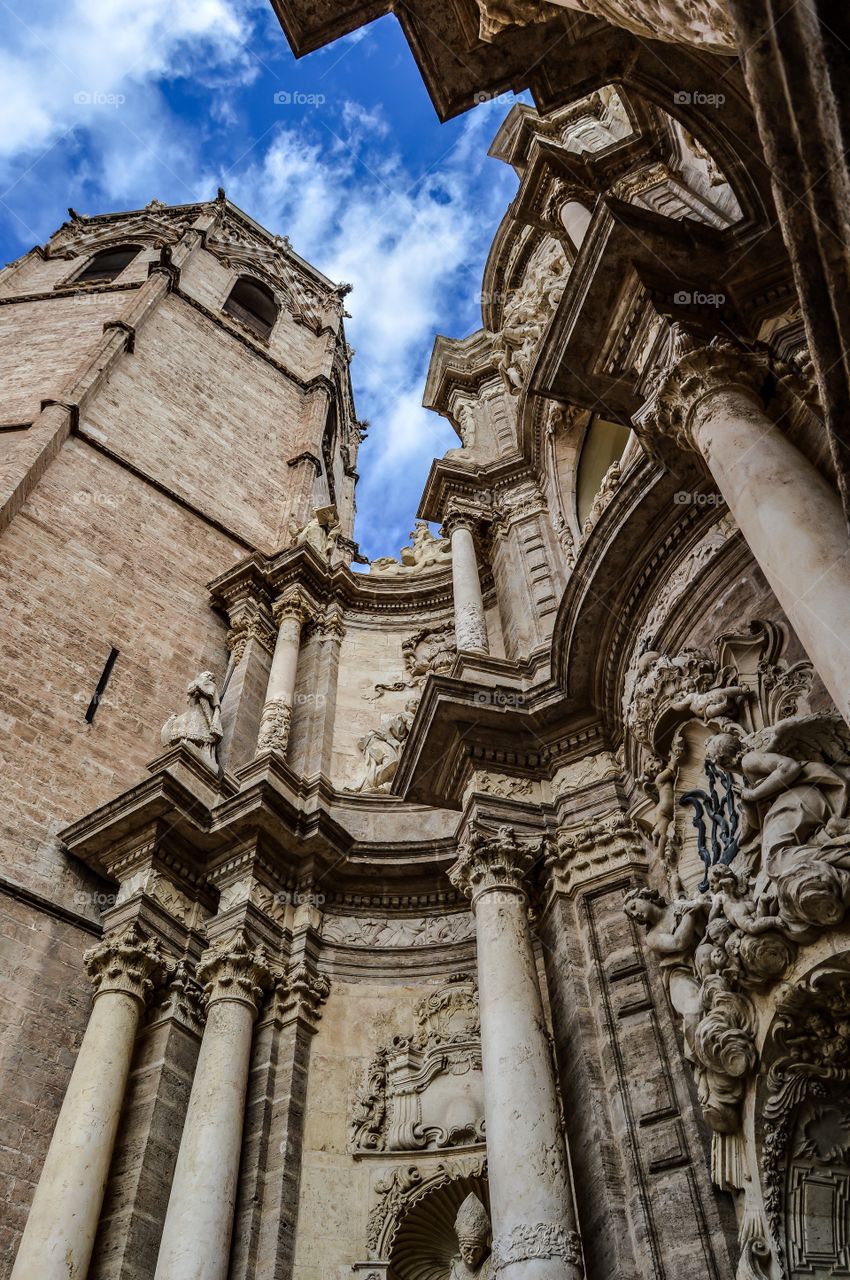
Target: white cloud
[414,247]
[62,64]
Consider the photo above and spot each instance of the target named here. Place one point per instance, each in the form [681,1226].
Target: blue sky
[108,103]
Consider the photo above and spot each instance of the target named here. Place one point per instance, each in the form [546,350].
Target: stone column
[534,1230]
[199,1219]
[60,1231]
[470,623]
[709,400]
[290,613]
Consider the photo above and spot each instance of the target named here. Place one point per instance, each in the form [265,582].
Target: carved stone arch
[425,1241]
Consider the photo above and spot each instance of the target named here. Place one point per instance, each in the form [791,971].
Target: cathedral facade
[479,911]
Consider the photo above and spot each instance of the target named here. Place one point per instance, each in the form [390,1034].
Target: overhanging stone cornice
[664,256]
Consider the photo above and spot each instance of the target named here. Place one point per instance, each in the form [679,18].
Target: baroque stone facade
[484,914]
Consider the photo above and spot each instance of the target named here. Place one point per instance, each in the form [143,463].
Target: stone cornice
[398,596]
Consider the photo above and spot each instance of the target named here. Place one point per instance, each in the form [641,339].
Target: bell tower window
[253,304]
[108,264]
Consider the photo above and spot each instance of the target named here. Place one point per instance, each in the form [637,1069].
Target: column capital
[303,994]
[292,604]
[494,860]
[129,962]
[601,847]
[252,621]
[694,369]
[464,515]
[231,970]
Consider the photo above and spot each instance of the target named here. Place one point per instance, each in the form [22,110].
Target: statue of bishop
[472,1228]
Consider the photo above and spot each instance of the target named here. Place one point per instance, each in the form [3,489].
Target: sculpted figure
[200,726]
[382,748]
[472,1228]
[730,898]
[673,931]
[663,786]
[715,704]
[321,536]
[797,776]
[424,551]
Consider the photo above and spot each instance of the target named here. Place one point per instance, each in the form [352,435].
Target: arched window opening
[108,264]
[604,444]
[253,304]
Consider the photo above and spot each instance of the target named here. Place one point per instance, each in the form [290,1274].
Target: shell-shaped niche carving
[426,1243]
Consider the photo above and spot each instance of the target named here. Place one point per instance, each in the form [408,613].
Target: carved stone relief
[425,1091]
[401,931]
[770,828]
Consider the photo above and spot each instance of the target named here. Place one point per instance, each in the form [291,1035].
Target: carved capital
[292,606]
[611,844]
[231,970]
[275,724]
[693,371]
[303,994]
[254,624]
[464,515]
[494,860]
[130,963]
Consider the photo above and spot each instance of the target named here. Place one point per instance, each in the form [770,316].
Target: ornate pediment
[156,224]
[425,1091]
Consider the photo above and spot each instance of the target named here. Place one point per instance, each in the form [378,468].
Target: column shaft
[470,623]
[60,1231]
[280,694]
[534,1227]
[793,523]
[199,1220]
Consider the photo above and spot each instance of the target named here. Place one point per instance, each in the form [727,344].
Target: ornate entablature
[748,828]
[425,1091]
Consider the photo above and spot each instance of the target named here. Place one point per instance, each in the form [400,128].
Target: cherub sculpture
[200,726]
[472,1228]
[795,816]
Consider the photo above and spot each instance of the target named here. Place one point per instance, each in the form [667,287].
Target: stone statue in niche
[200,726]
[472,1228]
[425,552]
[382,748]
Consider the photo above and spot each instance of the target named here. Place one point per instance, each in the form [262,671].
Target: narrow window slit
[101,685]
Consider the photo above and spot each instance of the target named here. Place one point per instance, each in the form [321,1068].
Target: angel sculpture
[797,776]
[472,1228]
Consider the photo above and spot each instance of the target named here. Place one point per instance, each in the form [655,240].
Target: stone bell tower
[175,400]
